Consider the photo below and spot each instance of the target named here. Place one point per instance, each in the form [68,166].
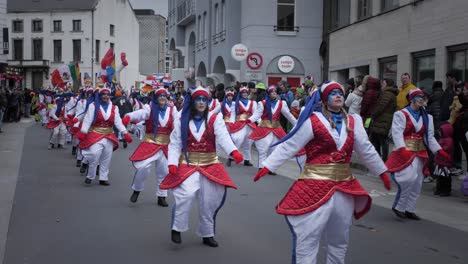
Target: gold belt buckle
[328,172]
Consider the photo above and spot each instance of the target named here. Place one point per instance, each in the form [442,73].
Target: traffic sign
[254,61]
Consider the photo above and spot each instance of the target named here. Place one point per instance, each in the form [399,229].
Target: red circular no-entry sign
[254,61]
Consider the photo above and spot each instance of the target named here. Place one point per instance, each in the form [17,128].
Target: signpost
[254,61]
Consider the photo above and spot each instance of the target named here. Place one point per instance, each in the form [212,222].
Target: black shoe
[84,167]
[97,170]
[74,151]
[51,146]
[228,163]
[412,216]
[87,181]
[399,213]
[271,173]
[125,144]
[175,237]
[60,146]
[247,163]
[134,197]
[78,163]
[209,241]
[105,183]
[162,201]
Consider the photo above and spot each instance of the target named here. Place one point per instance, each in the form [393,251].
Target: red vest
[101,122]
[207,142]
[410,130]
[274,116]
[166,130]
[248,111]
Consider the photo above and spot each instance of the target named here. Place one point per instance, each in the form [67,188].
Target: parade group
[184,145]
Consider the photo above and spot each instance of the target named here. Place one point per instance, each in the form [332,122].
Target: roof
[22,6]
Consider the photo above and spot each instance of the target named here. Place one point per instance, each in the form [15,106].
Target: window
[112,46]
[389,4]
[6,41]
[285,15]
[57,25]
[76,25]
[98,48]
[111,30]
[364,9]
[37,49]
[216,28]
[423,68]
[37,26]
[222,25]
[458,61]
[205,25]
[17,49]
[339,13]
[57,50]
[199,27]
[77,50]
[17,26]
[388,68]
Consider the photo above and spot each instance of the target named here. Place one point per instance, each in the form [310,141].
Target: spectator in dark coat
[447,97]
[27,97]
[371,87]
[3,105]
[382,117]
[122,102]
[433,106]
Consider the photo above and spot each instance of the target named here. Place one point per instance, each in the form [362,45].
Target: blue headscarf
[305,115]
[155,109]
[59,105]
[184,123]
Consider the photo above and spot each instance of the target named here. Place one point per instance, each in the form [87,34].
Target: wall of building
[431,24]
[149,44]
[3,24]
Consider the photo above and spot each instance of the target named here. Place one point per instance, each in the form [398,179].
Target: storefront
[285,67]
[12,77]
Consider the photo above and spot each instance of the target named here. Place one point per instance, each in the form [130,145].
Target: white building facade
[4,48]
[202,33]
[386,38]
[52,34]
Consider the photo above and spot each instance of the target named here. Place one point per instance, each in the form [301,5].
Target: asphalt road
[57,219]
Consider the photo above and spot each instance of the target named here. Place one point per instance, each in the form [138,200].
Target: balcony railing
[29,63]
[220,36]
[286,28]
[186,12]
[201,45]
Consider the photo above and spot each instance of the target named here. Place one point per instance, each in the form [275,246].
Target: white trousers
[58,134]
[140,130]
[263,147]
[143,170]
[409,182]
[79,155]
[100,153]
[211,197]
[333,219]
[43,115]
[243,142]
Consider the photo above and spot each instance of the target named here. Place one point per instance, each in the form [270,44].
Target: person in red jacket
[412,131]
[97,138]
[371,87]
[326,196]
[194,168]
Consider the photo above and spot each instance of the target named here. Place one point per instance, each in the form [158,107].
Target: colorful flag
[78,73]
[56,78]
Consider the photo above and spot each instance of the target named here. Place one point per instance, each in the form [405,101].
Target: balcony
[220,36]
[201,45]
[186,12]
[29,63]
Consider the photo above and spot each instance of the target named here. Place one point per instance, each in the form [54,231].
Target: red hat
[200,91]
[160,91]
[413,93]
[104,90]
[272,88]
[229,93]
[328,87]
[244,90]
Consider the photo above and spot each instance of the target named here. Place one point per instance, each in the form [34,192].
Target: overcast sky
[159,6]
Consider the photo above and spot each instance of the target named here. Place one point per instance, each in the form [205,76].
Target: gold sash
[328,172]
[160,139]
[269,124]
[242,117]
[102,130]
[415,145]
[199,158]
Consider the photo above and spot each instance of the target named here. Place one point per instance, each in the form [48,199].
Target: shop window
[285,15]
[388,68]
[458,61]
[423,68]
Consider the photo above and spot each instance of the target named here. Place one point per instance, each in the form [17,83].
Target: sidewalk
[11,149]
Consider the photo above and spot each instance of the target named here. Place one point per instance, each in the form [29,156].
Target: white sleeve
[285,111]
[432,144]
[260,110]
[366,151]
[398,127]
[349,101]
[118,121]
[223,138]
[290,147]
[140,115]
[175,113]
[52,112]
[80,107]
[69,107]
[256,115]
[175,145]
[217,108]
[88,119]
